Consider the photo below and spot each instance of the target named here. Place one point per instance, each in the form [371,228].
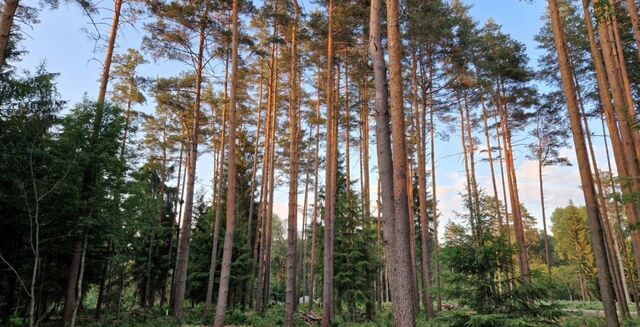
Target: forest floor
[579,314]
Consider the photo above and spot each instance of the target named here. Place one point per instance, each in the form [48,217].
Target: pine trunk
[218,199]
[330,181]
[182,258]
[422,196]
[523,259]
[598,244]
[292,221]
[225,271]
[620,128]
[402,283]
[6,25]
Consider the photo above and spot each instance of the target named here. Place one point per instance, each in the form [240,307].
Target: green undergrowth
[274,317]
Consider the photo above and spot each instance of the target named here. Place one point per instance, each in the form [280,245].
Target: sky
[61,41]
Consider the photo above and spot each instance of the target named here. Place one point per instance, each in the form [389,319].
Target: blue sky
[61,41]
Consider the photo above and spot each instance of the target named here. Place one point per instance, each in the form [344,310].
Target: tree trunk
[470,196]
[383,145]
[314,219]
[547,253]
[254,169]
[267,185]
[491,168]
[434,202]
[472,161]
[78,298]
[225,271]
[598,244]
[182,258]
[523,259]
[620,240]
[619,127]
[106,66]
[330,183]
[72,282]
[610,248]
[6,25]
[218,197]
[635,24]
[422,196]
[504,187]
[621,66]
[403,288]
[292,221]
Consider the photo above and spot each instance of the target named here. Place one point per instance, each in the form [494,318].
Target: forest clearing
[320,163]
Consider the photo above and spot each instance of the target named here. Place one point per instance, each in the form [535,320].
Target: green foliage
[355,260]
[483,282]
[573,246]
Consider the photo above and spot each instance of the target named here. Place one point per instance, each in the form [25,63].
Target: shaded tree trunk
[292,221]
[422,196]
[523,259]
[330,183]
[314,219]
[182,258]
[225,272]
[218,197]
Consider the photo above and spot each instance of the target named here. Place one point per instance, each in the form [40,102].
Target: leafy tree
[573,245]
[477,282]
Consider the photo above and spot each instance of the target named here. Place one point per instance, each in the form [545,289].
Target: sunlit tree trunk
[619,128]
[597,241]
[620,236]
[403,287]
[6,25]
[610,247]
[635,23]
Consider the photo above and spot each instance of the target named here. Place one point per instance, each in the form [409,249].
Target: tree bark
[292,221]
[254,169]
[182,258]
[619,128]
[635,24]
[403,288]
[227,251]
[598,244]
[218,197]
[106,66]
[491,168]
[6,25]
[422,196]
[314,219]
[523,259]
[330,183]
